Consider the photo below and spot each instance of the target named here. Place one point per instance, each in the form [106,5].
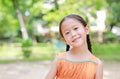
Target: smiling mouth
[75,39]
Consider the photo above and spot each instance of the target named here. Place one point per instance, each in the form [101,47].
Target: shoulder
[99,71]
[96,59]
[100,65]
[61,55]
[100,62]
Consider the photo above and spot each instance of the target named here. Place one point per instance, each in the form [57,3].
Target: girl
[77,62]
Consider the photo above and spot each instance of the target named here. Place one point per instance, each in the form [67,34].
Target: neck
[80,53]
[80,50]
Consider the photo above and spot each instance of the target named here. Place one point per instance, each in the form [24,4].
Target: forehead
[70,22]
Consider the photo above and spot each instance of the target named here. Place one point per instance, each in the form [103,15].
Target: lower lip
[75,40]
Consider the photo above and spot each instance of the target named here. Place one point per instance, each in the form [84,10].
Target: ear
[87,29]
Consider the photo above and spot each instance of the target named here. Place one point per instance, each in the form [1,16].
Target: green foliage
[8,22]
[10,25]
[110,37]
[51,17]
[27,48]
[7,61]
[109,51]
[81,8]
[44,51]
[27,43]
[113,1]
[113,12]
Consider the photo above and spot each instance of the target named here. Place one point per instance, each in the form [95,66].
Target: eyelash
[75,28]
[66,33]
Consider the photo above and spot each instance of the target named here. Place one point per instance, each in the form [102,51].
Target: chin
[78,45]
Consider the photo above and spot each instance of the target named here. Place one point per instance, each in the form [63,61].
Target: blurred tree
[7,21]
[46,12]
[65,7]
[83,8]
[20,18]
[9,11]
[113,12]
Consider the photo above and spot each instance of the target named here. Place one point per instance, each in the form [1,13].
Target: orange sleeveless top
[67,69]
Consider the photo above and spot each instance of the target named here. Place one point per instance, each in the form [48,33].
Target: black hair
[81,20]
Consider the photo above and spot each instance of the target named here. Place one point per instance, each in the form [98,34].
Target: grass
[110,51]
[45,51]
[12,53]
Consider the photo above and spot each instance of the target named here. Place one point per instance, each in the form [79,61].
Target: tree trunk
[21,21]
[56,4]
[100,37]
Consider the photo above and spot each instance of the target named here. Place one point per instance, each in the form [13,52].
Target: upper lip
[74,39]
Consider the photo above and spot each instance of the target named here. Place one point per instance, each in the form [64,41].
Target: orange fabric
[75,70]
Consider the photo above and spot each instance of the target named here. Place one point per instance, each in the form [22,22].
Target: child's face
[74,33]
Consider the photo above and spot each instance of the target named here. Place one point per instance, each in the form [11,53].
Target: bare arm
[52,73]
[99,73]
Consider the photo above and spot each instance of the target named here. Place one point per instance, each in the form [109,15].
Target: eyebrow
[72,27]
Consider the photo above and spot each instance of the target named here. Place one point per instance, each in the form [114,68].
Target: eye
[67,33]
[75,28]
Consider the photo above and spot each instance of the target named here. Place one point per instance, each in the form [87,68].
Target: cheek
[82,32]
[67,40]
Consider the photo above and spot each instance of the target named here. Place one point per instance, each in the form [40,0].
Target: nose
[73,34]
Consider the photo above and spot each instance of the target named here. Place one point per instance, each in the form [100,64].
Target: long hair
[81,20]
